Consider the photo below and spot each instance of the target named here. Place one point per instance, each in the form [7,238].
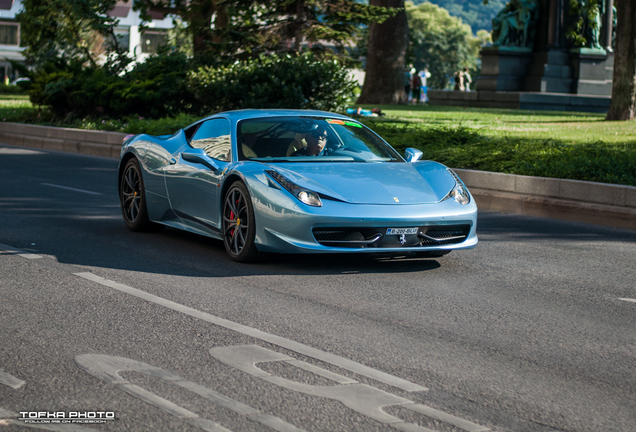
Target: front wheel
[238,224]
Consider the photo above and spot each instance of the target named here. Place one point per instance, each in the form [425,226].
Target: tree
[441,43]
[476,13]
[384,79]
[623,104]
[197,14]
[246,26]
[71,29]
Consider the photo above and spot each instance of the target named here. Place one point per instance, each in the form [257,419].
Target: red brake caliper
[232,217]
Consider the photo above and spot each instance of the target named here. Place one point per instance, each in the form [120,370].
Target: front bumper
[283,224]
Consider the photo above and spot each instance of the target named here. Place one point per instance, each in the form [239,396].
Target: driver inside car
[316,141]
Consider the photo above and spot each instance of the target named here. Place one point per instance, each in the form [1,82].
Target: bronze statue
[514,25]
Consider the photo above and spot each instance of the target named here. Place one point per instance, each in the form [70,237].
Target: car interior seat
[297,144]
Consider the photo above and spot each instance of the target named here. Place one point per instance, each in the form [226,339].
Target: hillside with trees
[472,12]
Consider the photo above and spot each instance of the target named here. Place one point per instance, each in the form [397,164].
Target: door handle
[173,161]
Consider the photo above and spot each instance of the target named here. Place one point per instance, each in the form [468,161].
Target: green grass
[16,108]
[579,146]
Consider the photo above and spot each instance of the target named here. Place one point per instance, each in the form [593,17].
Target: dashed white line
[10,380]
[20,252]
[71,189]
[631,300]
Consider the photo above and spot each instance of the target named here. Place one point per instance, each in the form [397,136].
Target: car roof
[259,113]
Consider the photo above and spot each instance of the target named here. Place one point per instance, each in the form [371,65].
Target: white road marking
[71,189]
[362,398]
[10,380]
[20,252]
[107,369]
[333,359]
[628,300]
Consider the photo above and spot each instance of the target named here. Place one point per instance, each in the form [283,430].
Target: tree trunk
[200,23]
[384,79]
[623,104]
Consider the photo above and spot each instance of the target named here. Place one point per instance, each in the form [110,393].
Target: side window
[213,136]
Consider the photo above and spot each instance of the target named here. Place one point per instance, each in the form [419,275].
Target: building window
[151,41]
[9,34]
[123,39]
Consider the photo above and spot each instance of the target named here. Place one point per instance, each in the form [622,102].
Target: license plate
[400,231]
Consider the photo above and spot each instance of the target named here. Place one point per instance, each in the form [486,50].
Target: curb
[574,200]
[95,143]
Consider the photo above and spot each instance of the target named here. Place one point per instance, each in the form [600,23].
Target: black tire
[238,226]
[132,196]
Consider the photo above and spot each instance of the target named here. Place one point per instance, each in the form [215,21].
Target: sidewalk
[580,201]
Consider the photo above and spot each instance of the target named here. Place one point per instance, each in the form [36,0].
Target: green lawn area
[16,108]
[580,146]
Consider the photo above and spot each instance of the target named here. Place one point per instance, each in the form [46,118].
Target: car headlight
[306,196]
[459,191]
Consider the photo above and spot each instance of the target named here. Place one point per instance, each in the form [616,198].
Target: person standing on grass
[407,85]
[459,81]
[416,87]
[424,75]
[467,79]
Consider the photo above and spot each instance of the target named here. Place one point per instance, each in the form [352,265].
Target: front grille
[444,235]
[352,237]
[337,236]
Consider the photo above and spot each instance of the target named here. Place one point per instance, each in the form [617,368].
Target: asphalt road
[533,330]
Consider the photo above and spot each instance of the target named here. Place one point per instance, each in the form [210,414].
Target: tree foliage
[243,27]
[476,13]
[439,42]
[72,29]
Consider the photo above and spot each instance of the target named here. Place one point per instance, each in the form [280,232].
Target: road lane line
[71,189]
[298,347]
[10,380]
[628,300]
[20,252]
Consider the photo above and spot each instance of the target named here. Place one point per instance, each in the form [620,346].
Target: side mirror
[199,156]
[412,154]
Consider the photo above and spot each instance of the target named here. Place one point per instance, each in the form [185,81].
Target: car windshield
[311,139]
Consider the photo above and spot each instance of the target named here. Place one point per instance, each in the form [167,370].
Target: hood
[392,183]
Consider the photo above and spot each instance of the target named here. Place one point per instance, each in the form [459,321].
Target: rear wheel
[132,195]
[238,224]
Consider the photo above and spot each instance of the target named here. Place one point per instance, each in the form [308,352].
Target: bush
[10,89]
[155,88]
[170,83]
[302,82]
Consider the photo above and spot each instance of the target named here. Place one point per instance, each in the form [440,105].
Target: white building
[139,44]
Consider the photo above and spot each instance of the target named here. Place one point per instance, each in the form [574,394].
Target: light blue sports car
[294,181]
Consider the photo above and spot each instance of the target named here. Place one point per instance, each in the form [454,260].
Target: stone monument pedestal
[593,70]
[550,72]
[503,68]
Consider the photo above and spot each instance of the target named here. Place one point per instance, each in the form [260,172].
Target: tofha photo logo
[61,417]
